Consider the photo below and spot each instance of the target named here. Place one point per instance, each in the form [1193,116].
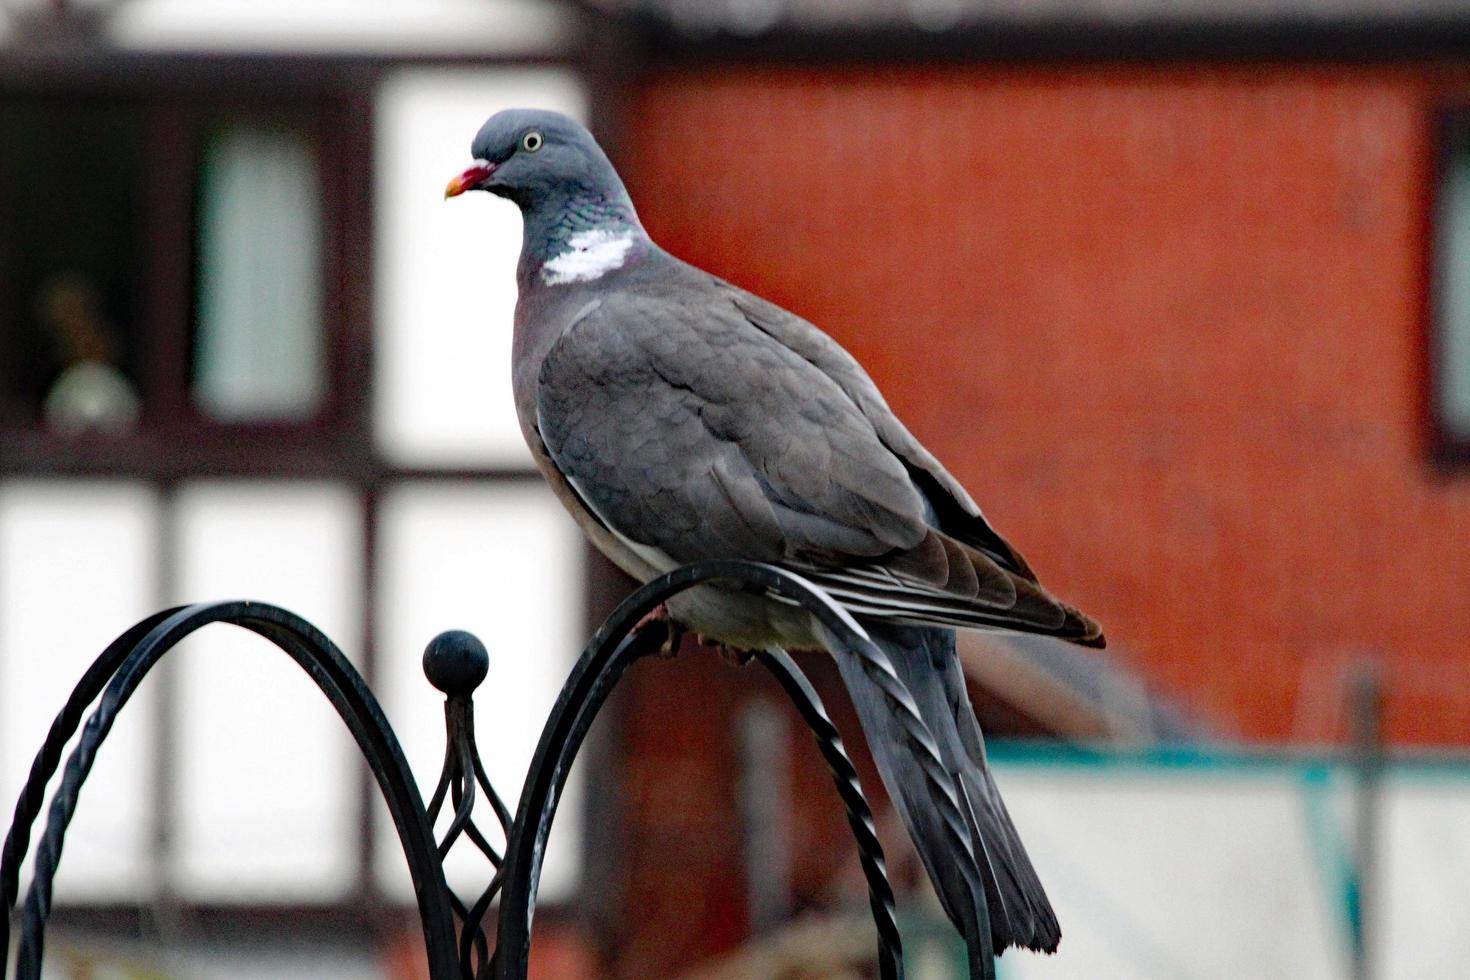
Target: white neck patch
[592,255]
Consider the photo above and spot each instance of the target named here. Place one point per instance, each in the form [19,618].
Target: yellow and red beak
[470,179]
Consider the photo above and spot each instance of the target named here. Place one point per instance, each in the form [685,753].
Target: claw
[658,614]
[658,619]
[733,656]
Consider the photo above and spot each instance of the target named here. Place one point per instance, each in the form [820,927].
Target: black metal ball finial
[456,662]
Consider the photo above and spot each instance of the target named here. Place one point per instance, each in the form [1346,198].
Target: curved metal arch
[33,794]
[859,816]
[122,667]
[614,648]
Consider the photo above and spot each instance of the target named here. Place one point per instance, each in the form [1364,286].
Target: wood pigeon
[680,418]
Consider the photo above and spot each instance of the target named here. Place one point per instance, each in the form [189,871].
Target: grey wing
[692,433]
[955,511]
[703,438]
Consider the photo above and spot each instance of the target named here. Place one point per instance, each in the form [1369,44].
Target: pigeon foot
[658,620]
[734,656]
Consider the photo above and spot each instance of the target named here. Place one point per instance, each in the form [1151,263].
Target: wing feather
[721,426]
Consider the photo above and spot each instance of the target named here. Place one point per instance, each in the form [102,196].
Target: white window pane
[259,346]
[446,270]
[77,569]
[267,771]
[505,563]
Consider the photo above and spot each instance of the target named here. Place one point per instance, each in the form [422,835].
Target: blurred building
[247,352]
[1181,292]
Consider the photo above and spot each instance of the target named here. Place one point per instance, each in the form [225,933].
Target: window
[73,200]
[174,262]
[1450,327]
[75,562]
[257,352]
[446,275]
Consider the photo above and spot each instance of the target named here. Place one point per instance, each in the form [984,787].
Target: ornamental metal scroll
[456,939]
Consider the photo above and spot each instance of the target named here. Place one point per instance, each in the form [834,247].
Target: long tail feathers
[1013,897]
[945,846]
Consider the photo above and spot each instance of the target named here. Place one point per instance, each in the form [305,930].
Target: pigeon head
[579,221]
[537,159]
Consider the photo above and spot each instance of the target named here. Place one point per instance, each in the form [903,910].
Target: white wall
[1236,867]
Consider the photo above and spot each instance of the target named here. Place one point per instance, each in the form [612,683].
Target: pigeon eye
[532,141]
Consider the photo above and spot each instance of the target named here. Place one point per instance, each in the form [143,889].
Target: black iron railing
[456,937]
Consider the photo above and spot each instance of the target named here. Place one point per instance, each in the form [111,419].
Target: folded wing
[697,423]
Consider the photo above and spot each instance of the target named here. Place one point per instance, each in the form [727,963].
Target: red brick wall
[1166,324]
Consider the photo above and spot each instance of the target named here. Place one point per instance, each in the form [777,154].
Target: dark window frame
[184,97]
[1447,446]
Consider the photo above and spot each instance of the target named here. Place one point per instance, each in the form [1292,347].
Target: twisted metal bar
[592,679]
[615,647]
[859,816]
[456,662]
[457,760]
[33,794]
[124,665]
